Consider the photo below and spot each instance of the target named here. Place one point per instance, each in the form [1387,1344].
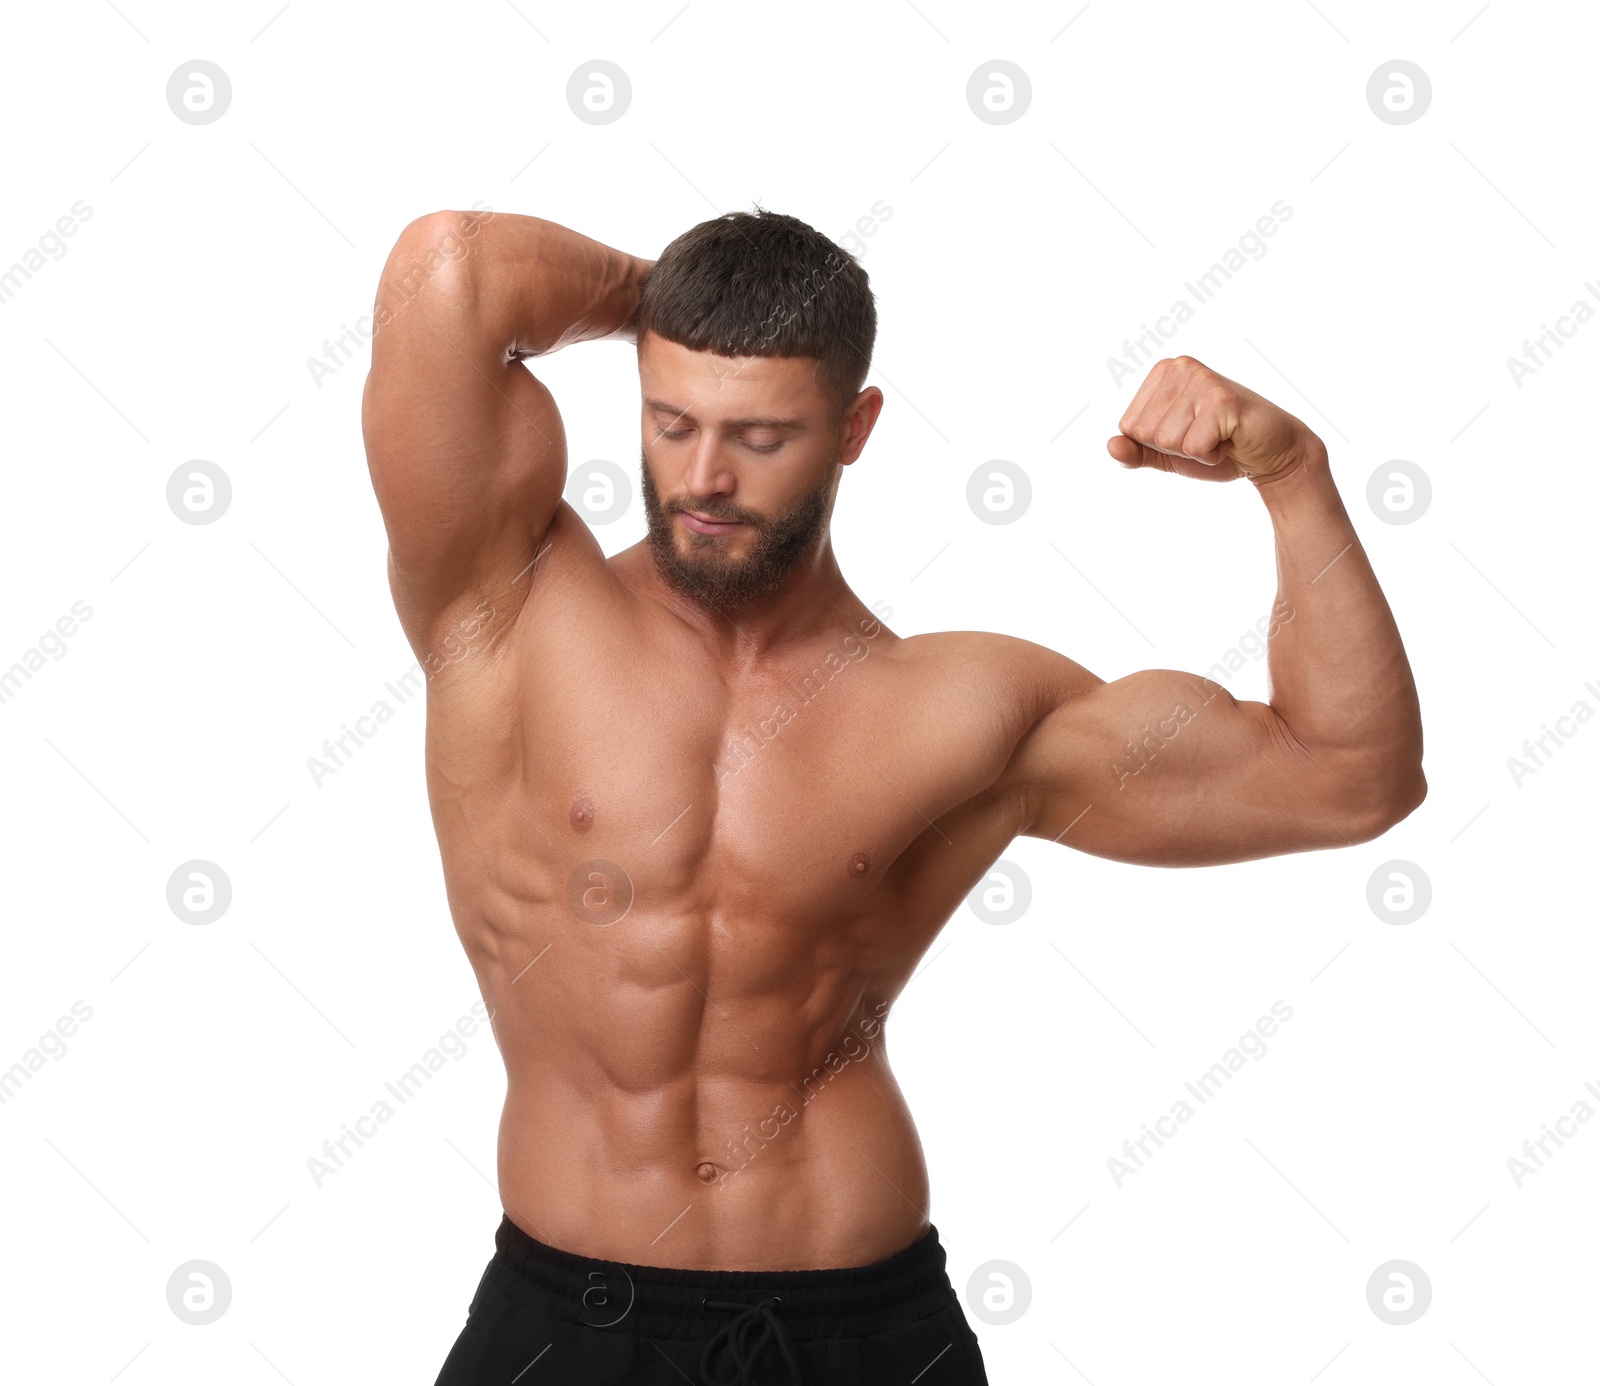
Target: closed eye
[754,447]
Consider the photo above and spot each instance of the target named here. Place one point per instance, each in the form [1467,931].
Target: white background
[177,722]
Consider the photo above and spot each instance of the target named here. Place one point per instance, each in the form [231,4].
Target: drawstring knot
[736,1333]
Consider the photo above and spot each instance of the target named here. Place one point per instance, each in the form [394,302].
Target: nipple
[705,1170]
[860,864]
[581,815]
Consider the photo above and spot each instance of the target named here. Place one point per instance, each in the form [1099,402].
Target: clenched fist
[1188,419]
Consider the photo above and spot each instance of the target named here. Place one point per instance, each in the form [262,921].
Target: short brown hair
[765,284]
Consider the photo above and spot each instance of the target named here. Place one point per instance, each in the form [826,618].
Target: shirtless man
[701,813]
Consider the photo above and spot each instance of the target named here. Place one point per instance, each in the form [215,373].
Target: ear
[860,416]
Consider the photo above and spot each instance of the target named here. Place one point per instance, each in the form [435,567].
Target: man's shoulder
[1002,690]
[978,698]
[1032,671]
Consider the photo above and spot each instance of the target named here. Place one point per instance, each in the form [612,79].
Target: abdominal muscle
[650,1122]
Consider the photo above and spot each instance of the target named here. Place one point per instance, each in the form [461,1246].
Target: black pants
[546,1317]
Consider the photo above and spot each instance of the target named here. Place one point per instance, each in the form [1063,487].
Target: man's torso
[690,898]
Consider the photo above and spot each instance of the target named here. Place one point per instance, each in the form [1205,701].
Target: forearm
[1340,678]
[527,285]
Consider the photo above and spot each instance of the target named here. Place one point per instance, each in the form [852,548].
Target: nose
[708,475]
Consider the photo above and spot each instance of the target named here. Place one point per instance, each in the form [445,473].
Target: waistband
[668,1301]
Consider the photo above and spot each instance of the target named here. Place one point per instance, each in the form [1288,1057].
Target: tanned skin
[787,799]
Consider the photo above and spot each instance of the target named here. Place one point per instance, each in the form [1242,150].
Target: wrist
[1309,468]
[630,290]
[1304,495]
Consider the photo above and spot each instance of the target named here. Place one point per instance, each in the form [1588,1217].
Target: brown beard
[705,574]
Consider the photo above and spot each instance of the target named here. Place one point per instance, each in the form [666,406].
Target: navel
[705,1170]
[581,814]
[860,864]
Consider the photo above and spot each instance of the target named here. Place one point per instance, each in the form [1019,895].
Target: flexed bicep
[1166,768]
[465,446]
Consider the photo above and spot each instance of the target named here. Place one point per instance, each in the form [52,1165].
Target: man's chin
[682,565]
[710,590]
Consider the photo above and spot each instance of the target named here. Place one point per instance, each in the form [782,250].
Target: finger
[1136,455]
[1210,428]
[1169,431]
[1218,417]
[1165,383]
[1133,454]
[1125,450]
[1200,418]
[1157,383]
[1193,427]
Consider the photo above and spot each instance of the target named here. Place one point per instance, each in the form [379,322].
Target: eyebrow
[762,421]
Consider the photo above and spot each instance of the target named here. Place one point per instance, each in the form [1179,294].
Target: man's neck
[812,601]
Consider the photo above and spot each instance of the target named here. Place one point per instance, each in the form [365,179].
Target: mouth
[704,524]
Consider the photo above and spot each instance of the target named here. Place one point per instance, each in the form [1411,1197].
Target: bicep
[1164,768]
[465,447]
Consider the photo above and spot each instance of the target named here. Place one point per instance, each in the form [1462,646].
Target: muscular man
[701,813]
